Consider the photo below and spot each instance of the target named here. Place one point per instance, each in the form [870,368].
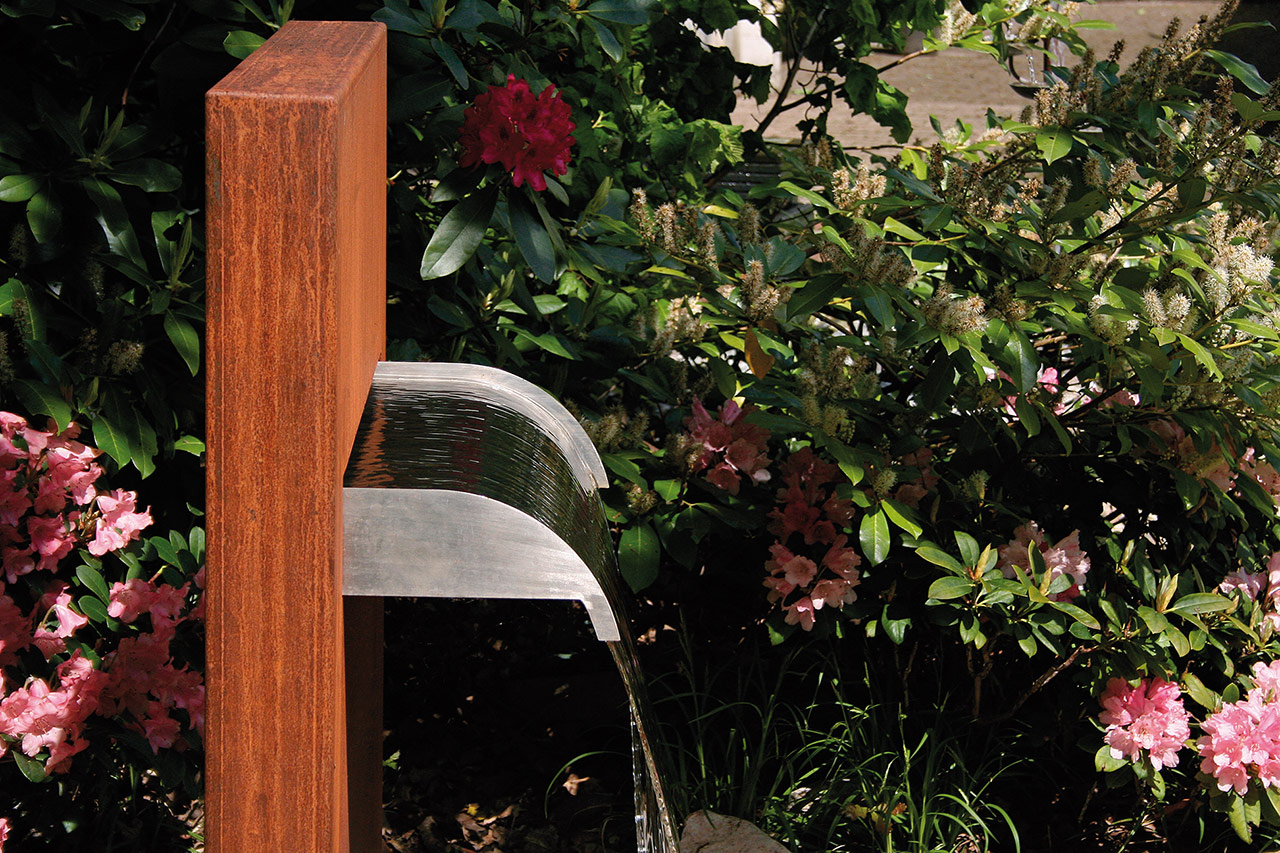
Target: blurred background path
[961,84]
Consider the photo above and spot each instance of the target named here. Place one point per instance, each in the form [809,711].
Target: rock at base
[708,832]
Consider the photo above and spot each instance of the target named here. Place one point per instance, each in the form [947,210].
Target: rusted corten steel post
[296,323]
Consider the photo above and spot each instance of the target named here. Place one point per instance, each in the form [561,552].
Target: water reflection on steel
[468,482]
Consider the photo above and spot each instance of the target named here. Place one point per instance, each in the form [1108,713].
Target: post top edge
[305,60]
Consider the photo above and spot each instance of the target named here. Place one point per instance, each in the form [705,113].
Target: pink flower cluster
[1262,472]
[1062,558]
[1047,379]
[49,505]
[1211,465]
[812,512]
[39,717]
[1149,716]
[732,448]
[527,134]
[1242,740]
[1261,588]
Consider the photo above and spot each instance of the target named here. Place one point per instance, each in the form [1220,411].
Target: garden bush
[982,431]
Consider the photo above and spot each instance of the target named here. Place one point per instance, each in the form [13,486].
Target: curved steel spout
[468,482]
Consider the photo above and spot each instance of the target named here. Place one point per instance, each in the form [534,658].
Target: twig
[1045,677]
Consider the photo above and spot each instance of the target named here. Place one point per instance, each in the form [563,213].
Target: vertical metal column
[296,323]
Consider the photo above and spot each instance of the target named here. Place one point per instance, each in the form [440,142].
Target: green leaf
[894,629]
[32,769]
[1201,695]
[1054,144]
[112,441]
[164,549]
[1198,603]
[608,41]
[902,229]
[969,551]
[1236,814]
[947,588]
[873,534]
[241,43]
[94,582]
[185,340]
[902,516]
[628,12]
[933,554]
[195,543]
[1201,354]
[1104,763]
[44,216]
[114,219]
[42,400]
[549,341]
[1239,69]
[1024,366]
[624,468]
[94,608]
[1076,612]
[153,176]
[937,386]
[814,295]
[808,195]
[18,187]
[451,61]
[459,234]
[638,554]
[189,444]
[531,237]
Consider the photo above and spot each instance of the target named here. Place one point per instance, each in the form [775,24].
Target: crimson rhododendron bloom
[527,134]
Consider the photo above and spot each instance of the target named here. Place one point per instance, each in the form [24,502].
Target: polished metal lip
[469,482]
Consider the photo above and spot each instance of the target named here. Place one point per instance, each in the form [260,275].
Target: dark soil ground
[510,730]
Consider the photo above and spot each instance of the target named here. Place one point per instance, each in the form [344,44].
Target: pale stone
[708,832]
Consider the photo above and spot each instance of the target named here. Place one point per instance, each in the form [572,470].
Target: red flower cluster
[526,134]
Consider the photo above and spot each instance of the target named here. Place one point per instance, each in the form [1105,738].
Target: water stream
[467,482]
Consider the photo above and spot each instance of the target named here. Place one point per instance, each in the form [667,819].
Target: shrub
[97,637]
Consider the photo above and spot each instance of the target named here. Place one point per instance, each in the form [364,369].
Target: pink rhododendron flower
[526,134]
[1047,379]
[17,561]
[4,831]
[159,728]
[1250,584]
[1262,472]
[731,446]
[129,599]
[50,719]
[802,612]
[1241,741]
[1149,717]
[1210,465]
[51,538]
[805,585]
[15,631]
[1063,558]
[1122,397]
[119,523]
